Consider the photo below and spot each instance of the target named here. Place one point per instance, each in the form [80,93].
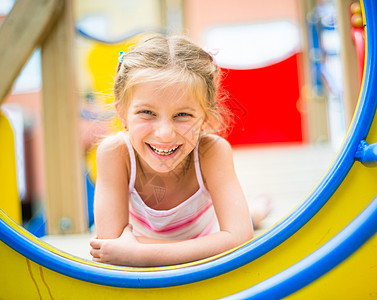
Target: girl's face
[164,124]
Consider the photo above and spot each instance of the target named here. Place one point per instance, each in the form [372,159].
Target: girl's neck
[166,190]
[178,174]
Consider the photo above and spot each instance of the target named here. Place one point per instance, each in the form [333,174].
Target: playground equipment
[358,36]
[324,249]
[260,64]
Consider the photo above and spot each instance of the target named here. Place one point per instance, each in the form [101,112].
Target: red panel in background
[264,102]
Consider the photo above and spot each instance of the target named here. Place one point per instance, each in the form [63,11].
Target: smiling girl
[166,190]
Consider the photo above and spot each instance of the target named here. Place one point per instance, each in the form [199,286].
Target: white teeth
[163,152]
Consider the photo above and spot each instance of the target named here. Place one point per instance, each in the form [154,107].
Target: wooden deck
[286,173]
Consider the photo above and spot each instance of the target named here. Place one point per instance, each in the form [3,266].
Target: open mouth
[163,152]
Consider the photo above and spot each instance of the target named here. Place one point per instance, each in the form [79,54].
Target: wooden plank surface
[20,33]
[66,208]
[349,61]
[285,173]
[315,127]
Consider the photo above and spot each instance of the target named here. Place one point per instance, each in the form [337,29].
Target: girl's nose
[165,131]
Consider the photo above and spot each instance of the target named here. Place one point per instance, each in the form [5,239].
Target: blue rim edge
[340,247]
[253,250]
[120,40]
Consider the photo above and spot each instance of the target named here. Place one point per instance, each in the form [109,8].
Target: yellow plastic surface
[9,199]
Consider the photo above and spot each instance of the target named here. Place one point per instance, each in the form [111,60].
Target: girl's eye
[182,114]
[146,112]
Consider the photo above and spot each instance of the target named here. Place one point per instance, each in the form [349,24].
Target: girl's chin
[164,164]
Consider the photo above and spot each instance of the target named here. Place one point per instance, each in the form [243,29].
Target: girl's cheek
[189,130]
[139,132]
[141,124]
[143,128]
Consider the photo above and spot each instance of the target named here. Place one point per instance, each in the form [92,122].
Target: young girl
[166,190]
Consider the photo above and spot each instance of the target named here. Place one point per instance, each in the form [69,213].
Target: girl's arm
[111,193]
[231,210]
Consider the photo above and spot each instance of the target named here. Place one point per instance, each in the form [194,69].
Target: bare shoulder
[212,146]
[112,151]
[216,158]
[112,145]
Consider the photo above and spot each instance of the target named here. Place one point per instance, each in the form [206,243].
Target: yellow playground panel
[9,199]
[324,249]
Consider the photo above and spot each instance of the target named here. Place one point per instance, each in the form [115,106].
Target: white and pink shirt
[192,218]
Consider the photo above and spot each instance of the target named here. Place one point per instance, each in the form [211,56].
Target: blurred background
[292,69]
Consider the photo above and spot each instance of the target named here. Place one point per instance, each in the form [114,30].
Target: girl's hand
[120,251]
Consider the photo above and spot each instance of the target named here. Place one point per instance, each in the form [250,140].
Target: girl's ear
[209,125]
[121,115]
[204,125]
[117,108]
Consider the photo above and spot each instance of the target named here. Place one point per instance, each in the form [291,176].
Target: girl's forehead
[157,94]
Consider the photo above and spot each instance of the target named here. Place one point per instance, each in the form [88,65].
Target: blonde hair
[173,59]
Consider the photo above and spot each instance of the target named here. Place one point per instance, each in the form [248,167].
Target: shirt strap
[198,172]
[131,153]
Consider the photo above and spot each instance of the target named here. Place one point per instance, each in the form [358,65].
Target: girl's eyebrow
[147,105]
[143,105]
[185,108]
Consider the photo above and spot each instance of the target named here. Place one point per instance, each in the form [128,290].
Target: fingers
[95,243]
[96,260]
[95,253]
[96,250]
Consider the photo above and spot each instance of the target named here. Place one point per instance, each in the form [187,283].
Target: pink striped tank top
[192,218]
